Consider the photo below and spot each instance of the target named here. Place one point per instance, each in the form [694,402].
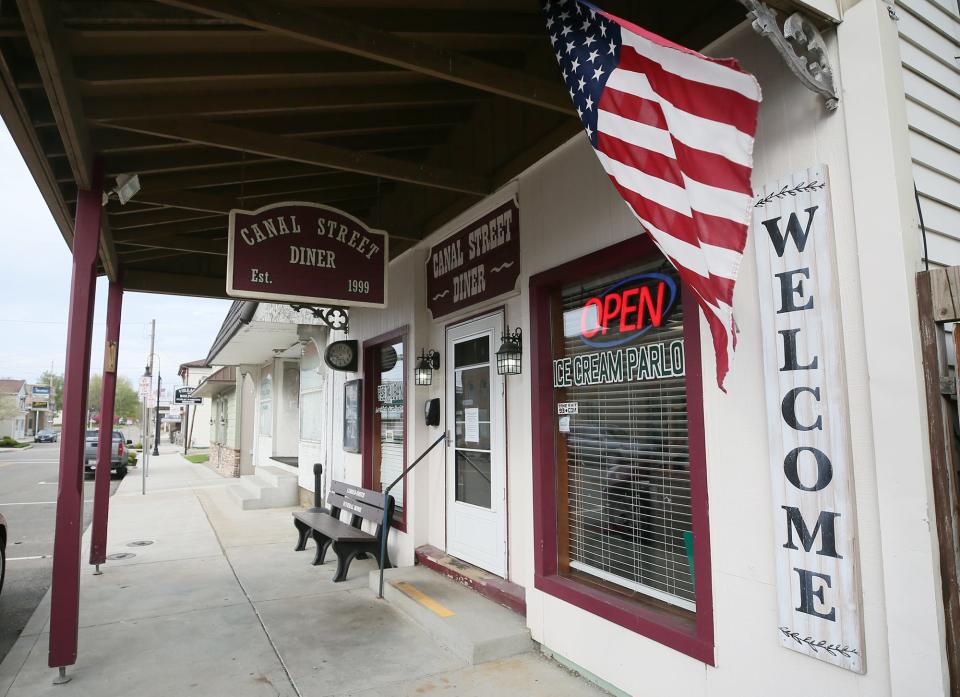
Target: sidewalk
[219,604]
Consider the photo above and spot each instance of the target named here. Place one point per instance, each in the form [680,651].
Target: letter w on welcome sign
[815,523]
[305,253]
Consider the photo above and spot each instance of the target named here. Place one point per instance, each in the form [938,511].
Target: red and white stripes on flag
[674,131]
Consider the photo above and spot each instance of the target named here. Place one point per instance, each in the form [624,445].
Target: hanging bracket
[802,47]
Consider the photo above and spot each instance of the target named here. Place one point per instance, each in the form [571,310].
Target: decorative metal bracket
[801,46]
[337,318]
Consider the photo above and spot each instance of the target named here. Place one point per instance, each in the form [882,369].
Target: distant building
[12,412]
[197,428]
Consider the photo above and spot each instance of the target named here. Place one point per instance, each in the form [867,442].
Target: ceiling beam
[146,281]
[46,37]
[227,137]
[212,203]
[180,243]
[216,224]
[45,34]
[331,32]
[159,216]
[276,101]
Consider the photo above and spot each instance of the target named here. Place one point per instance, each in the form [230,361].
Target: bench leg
[303,532]
[345,554]
[323,544]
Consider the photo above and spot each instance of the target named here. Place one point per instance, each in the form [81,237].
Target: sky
[35,290]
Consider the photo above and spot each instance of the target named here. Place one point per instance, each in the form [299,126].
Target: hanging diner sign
[820,610]
[478,263]
[305,253]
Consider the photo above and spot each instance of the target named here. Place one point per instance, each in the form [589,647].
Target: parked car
[3,549]
[119,456]
[46,437]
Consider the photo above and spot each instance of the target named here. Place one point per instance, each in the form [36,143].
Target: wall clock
[343,355]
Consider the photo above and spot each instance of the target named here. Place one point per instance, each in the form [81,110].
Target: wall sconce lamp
[426,364]
[511,350]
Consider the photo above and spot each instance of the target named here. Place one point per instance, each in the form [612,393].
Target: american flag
[674,131]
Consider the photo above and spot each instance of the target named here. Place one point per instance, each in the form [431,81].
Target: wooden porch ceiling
[401,112]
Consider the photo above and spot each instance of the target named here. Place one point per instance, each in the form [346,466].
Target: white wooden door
[476,452]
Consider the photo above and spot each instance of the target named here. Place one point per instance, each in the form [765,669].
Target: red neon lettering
[646,300]
[608,312]
[627,308]
[589,333]
[618,306]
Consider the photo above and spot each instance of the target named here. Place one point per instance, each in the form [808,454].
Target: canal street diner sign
[305,253]
[478,263]
[613,321]
[820,608]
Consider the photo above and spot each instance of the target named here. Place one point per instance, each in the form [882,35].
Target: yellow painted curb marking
[422,598]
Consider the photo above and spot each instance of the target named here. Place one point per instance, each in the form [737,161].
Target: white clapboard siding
[929,46]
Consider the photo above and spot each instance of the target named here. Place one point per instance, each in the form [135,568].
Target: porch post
[65,587]
[101,495]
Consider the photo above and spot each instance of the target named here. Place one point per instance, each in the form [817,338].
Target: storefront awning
[217,382]
[400,113]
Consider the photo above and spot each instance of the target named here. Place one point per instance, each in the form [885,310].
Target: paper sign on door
[471,428]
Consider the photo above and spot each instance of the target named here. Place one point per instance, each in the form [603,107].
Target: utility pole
[156,440]
[184,423]
[146,411]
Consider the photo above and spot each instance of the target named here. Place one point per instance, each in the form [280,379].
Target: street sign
[182,395]
[144,386]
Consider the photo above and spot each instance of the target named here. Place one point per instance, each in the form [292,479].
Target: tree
[48,377]
[94,393]
[126,403]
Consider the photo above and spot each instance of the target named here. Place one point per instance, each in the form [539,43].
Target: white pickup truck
[119,457]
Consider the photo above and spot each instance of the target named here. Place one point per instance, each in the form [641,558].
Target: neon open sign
[628,309]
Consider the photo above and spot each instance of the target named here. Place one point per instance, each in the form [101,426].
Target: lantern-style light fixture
[511,350]
[426,364]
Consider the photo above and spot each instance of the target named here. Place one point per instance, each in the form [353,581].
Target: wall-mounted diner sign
[478,263]
[305,253]
[820,609]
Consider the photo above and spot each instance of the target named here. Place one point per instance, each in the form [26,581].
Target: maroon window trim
[369,404]
[694,639]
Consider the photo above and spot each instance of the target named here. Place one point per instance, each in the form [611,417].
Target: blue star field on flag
[587,47]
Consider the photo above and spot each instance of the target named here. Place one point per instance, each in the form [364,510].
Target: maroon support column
[101,495]
[65,589]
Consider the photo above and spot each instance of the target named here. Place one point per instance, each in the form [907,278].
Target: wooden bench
[348,540]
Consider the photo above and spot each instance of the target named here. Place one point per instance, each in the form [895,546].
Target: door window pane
[473,477]
[472,407]
[471,352]
[389,448]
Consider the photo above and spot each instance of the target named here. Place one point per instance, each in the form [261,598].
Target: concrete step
[269,487]
[471,626]
[274,476]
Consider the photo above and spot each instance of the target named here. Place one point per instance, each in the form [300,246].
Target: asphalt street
[28,494]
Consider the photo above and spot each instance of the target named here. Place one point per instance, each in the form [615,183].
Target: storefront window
[311,393]
[623,471]
[385,455]
[620,502]
[266,401]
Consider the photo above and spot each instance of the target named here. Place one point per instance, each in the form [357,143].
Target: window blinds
[627,465]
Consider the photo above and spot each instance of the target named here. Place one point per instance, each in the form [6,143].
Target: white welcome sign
[814,512]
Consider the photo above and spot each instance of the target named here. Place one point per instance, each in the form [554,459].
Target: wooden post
[65,588]
[101,495]
[938,292]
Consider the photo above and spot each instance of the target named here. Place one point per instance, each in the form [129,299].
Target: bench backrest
[361,503]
